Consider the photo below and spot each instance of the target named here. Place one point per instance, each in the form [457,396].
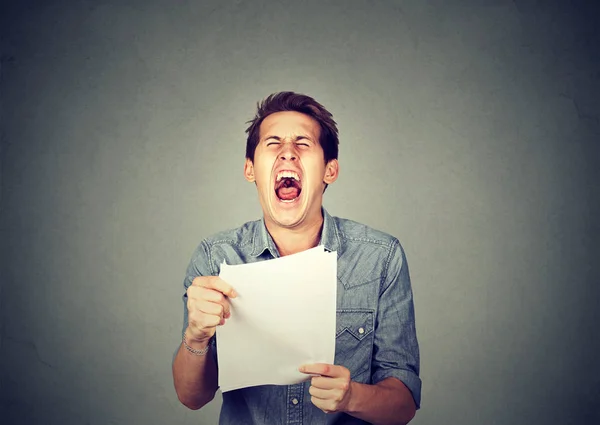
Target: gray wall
[469,130]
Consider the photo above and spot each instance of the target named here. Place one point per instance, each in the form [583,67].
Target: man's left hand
[331,390]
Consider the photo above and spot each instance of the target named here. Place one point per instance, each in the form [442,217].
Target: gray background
[469,130]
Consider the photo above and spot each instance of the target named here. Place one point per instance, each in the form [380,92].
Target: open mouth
[288,186]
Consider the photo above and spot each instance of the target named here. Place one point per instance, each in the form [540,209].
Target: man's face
[289,169]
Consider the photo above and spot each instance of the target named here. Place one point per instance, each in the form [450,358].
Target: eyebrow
[295,140]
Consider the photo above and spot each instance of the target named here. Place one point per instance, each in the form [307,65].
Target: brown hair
[290,101]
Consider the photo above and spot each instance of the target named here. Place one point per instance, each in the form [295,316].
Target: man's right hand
[208,307]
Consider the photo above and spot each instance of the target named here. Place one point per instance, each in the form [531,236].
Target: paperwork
[283,317]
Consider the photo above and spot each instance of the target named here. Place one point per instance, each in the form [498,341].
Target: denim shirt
[375,324]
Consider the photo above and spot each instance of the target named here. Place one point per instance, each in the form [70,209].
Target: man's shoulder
[354,231]
[238,236]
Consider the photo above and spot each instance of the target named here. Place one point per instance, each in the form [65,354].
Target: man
[291,156]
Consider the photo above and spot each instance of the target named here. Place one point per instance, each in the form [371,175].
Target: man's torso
[363,255]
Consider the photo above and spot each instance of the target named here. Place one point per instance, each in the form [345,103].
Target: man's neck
[292,241]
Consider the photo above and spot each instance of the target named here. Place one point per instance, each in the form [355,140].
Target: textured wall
[469,129]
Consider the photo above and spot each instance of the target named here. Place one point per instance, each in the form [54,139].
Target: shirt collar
[330,238]
[263,241]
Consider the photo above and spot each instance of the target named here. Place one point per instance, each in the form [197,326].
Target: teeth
[287,174]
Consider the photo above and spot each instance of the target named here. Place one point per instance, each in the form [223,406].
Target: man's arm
[387,402]
[195,377]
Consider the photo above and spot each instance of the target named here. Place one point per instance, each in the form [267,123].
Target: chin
[288,214]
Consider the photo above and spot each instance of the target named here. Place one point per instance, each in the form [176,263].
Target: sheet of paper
[282,318]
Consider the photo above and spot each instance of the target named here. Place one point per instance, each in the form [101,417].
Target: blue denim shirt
[375,335]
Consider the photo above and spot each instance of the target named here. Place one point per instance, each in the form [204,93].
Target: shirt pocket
[354,342]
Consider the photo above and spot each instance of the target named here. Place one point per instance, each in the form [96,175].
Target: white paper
[282,318]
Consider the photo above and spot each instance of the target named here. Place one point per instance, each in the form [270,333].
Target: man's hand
[332,389]
[208,307]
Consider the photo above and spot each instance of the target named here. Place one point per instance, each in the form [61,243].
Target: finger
[207,294]
[216,283]
[195,293]
[324,369]
[326,383]
[226,309]
[320,403]
[323,383]
[209,307]
[202,321]
[318,392]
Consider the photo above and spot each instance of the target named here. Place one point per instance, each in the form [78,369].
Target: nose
[288,152]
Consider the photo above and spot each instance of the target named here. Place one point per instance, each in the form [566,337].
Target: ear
[332,170]
[249,171]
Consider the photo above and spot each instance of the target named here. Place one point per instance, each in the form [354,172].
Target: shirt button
[294,401]
[361,331]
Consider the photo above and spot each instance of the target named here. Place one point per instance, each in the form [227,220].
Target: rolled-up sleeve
[199,266]
[396,350]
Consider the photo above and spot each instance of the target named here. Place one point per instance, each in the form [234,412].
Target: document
[283,317]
